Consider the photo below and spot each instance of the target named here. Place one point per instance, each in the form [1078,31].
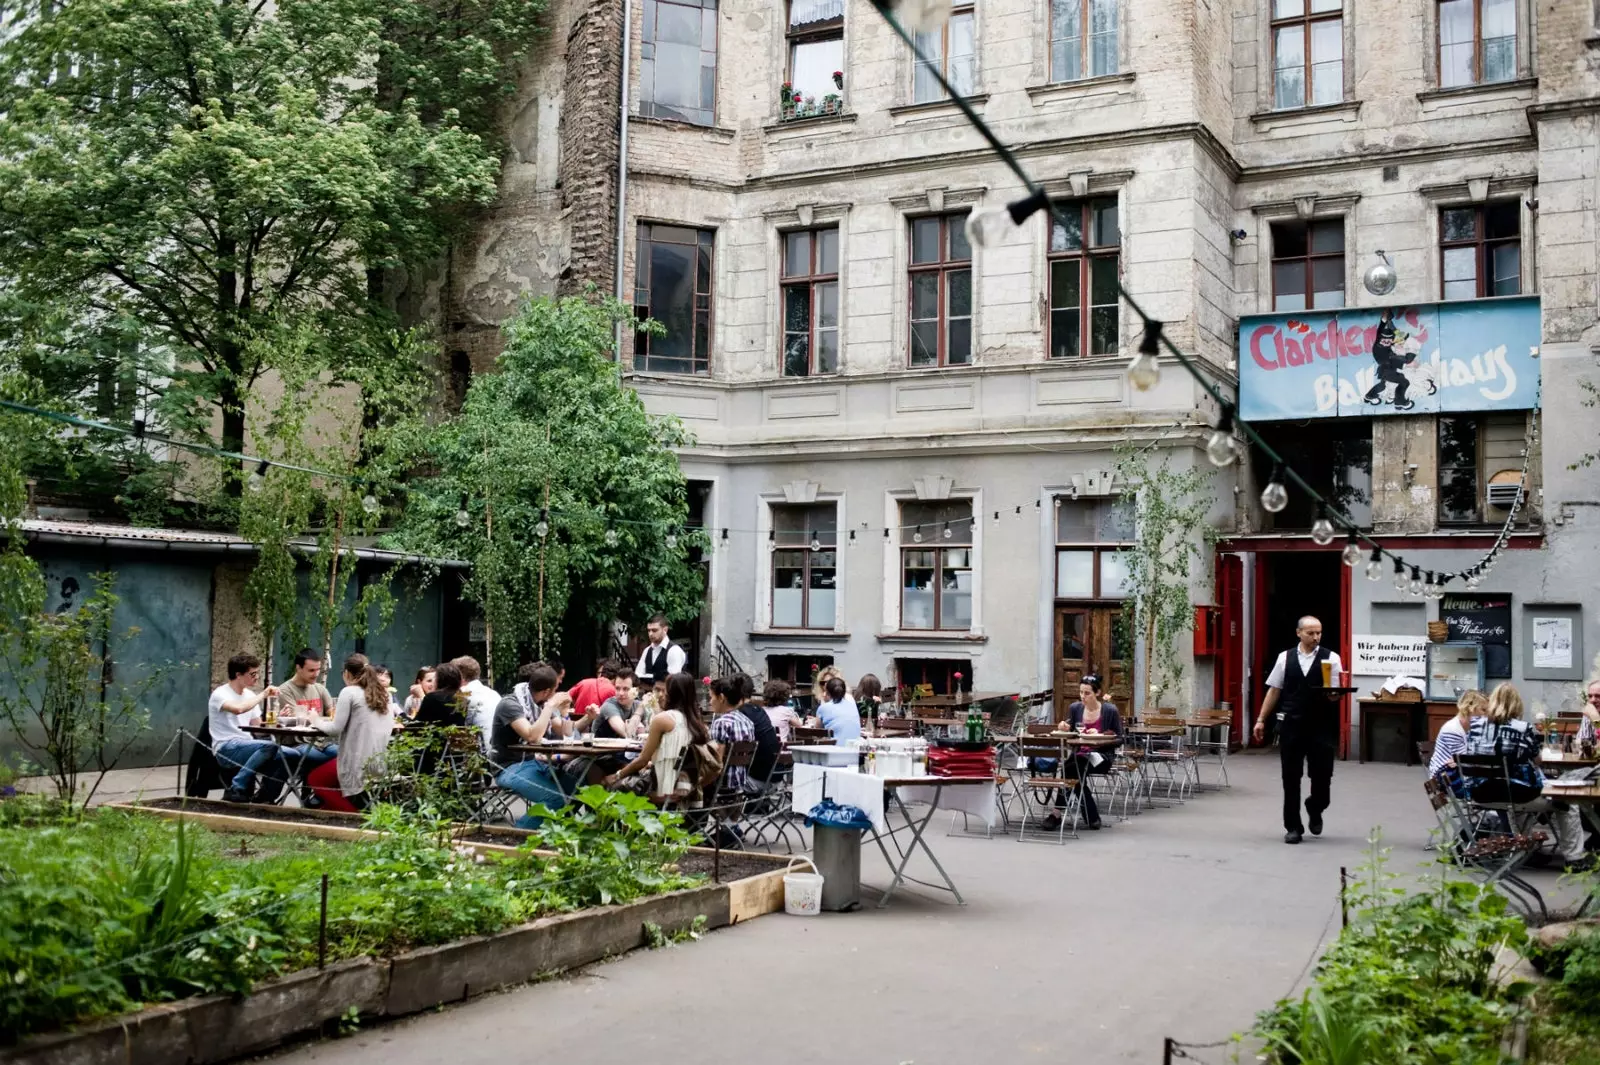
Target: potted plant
[786,95]
[830,104]
[838,79]
[809,107]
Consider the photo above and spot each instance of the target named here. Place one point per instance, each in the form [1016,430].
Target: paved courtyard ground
[1180,922]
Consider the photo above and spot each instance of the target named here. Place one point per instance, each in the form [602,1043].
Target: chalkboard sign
[1483,619]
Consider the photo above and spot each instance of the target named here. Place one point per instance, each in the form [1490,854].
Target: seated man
[531,712]
[615,717]
[241,756]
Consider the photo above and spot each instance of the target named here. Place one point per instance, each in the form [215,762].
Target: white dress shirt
[1275,678]
[481,701]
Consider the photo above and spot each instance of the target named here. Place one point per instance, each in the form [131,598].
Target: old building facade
[905,439]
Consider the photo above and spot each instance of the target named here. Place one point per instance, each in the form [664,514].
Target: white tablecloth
[851,788]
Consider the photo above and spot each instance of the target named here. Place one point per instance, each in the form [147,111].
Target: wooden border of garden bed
[748,898]
[218,1028]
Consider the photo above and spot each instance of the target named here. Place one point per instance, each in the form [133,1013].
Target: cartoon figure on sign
[1419,374]
[1390,363]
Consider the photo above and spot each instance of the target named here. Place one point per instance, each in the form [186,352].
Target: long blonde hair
[366,678]
[1505,704]
[819,683]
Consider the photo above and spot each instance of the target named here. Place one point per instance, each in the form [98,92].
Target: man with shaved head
[1308,731]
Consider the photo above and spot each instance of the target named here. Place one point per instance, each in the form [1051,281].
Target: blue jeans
[250,756]
[536,783]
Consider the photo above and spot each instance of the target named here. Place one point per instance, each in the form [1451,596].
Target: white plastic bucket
[802,892]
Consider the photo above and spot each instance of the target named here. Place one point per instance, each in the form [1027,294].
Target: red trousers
[324,781]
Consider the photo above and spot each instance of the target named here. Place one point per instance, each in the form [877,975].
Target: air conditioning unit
[1503,489]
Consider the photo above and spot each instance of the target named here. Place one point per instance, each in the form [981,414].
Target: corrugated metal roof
[139,536]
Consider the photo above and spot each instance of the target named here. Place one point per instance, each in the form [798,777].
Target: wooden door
[1093,638]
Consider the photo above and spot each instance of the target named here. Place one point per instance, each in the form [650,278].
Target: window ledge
[1344,111]
[1472,94]
[934,108]
[810,123]
[1105,84]
[716,133]
[937,635]
[823,635]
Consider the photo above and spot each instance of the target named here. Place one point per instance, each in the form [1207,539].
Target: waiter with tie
[1308,734]
[662,658]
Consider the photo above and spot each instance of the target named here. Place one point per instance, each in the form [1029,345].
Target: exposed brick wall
[589,145]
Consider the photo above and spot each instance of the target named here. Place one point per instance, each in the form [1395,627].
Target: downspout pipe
[622,162]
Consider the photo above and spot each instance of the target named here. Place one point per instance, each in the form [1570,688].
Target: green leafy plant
[1172,537]
[572,490]
[655,937]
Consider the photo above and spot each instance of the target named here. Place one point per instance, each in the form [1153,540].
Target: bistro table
[1585,796]
[576,749]
[289,736]
[877,795]
[1062,747]
[1562,761]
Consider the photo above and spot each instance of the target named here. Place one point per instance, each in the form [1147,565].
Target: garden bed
[209,918]
[763,895]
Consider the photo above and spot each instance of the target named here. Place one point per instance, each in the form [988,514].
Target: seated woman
[838,713]
[672,729]
[1452,737]
[1503,732]
[444,704]
[775,698]
[363,734]
[419,689]
[1090,715]
[869,697]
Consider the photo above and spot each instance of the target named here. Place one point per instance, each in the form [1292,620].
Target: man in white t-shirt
[232,706]
[481,699]
[1308,733]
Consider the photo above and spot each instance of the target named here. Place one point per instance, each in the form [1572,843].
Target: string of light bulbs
[1223,447]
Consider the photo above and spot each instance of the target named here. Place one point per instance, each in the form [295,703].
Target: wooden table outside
[892,787]
[577,751]
[289,736]
[1565,760]
[1586,799]
[1157,730]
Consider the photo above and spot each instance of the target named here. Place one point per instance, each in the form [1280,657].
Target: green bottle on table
[974,726]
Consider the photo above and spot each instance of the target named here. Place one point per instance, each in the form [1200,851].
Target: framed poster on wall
[1482,619]
[1552,644]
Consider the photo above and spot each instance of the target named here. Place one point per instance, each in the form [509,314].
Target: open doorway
[1290,585]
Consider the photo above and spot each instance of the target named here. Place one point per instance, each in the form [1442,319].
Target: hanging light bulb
[1401,582]
[1375,565]
[922,15]
[1416,586]
[1144,371]
[987,228]
[463,518]
[1221,447]
[1472,579]
[816,544]
[1322,530]
[258,477]
[369,502]
[772,539]
[1428,586]
[916,537]
[611,538]
[1352,551]
[947,531]
[672,541]
[541,528]
[1274,497]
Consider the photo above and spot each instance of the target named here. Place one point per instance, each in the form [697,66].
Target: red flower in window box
[838,79]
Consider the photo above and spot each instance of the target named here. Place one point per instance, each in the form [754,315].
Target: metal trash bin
[837,854]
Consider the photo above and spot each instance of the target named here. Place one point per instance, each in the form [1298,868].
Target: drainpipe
[622,163]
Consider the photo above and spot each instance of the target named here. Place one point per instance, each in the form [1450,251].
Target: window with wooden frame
[1473,449]
[810,286]
[1477,42]
[936,565]
[678,61]
[1308,265]
[673,286]
[1083,39]
[942,676]
[1480,250]
[805,565]
[1307,53]
[952,50]
[1083,263]
[815,40]
[1090,537]
[940,284]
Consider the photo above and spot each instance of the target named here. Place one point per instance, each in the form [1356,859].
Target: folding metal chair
[1041,792]
[1494,856]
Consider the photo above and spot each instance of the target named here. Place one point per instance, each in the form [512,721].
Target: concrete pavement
[1180,922]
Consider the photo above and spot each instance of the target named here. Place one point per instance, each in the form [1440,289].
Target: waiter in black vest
[1308,733]
[663,657]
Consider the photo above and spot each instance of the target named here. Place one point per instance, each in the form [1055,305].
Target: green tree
[571,488]
[1172,536]
[218,171]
